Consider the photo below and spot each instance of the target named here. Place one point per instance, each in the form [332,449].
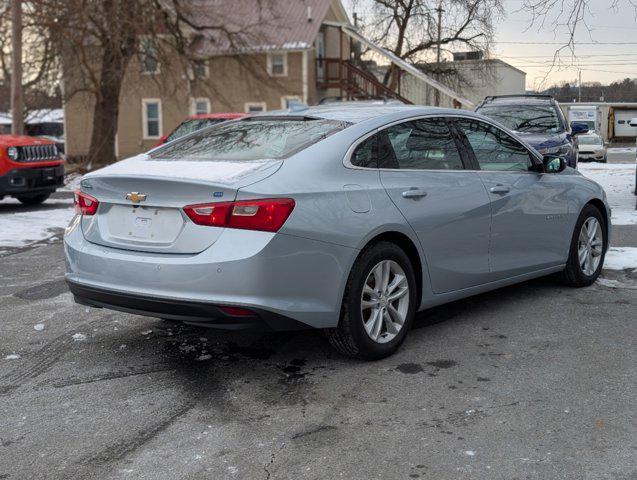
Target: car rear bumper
[192,312]
[591,156]
[26,181]
[288,281]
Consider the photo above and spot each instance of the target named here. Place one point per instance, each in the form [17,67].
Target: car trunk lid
[141,201]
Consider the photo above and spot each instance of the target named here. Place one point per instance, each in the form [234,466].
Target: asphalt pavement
[534,381]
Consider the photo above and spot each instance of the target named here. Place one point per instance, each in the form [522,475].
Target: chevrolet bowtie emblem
[135,197]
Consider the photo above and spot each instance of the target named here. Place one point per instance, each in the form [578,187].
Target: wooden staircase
[352,82]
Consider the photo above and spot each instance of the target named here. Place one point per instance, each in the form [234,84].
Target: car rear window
[190,126]
[250,139]
[524,118]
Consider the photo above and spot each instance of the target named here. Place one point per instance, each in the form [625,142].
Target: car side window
[365,154]
[493,148]
[426,144]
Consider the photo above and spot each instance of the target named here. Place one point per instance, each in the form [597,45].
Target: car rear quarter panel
[334,204]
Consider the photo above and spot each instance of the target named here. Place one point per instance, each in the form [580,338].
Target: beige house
[298,53]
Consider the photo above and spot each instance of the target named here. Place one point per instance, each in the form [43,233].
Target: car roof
[518,100]
[357,112]
[216,116]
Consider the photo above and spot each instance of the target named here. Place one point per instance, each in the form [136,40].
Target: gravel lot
[534,381]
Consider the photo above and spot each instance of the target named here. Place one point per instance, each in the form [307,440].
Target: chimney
[309,14]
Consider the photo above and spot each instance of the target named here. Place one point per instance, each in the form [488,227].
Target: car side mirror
[633,122]
[554,164]
[578,128]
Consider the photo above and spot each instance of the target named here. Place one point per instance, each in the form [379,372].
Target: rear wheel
[378,306]
[33,199]
[588,248]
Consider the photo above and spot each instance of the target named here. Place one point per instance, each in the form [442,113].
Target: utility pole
[17,100]
[579,88]
[438,54]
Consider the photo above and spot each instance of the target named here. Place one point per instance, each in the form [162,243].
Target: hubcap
[385,301]
[590,246]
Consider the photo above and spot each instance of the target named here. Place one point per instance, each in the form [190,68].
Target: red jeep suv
[30,168]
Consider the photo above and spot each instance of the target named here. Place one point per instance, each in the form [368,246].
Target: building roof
[55,115]
[256,25]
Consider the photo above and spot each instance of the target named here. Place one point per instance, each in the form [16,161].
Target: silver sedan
[345,218]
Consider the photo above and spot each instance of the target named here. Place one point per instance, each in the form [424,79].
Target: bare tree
[39,65]
[96,41]
[17,99]
[569,16]
[412,31]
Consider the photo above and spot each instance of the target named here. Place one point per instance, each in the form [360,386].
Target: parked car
[30,168]
[591,147]
[344,218]
[537,119]
[197,122]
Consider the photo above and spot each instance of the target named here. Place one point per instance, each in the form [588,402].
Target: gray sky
[601,62]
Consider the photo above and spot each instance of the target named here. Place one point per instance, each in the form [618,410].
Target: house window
[199,106]
[200,69]
[254,107]
[151,113]
[278,64]
[148,56]
[288,100]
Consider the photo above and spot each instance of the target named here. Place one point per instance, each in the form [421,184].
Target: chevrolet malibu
[344,218]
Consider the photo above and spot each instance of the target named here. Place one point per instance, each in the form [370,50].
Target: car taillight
[267,215]
[85,204]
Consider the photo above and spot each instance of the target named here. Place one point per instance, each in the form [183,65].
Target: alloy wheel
[385,301]
[590,246]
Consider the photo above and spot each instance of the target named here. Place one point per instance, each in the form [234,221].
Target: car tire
[579,272]
[351,337]
[33,199]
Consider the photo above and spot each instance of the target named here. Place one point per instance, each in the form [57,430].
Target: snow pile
[78,337]
[20,228]
[618,180]
[620,258]
[12,356]
[38,327]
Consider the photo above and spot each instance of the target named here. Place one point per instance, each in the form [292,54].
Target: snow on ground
[621,150]
[620,258]
[22,227]
[618,180]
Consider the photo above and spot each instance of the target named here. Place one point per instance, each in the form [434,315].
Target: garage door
[622,126]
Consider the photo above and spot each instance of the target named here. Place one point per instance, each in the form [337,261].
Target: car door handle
[500,189]
[414,193]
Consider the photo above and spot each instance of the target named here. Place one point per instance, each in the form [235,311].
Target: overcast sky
[601,62]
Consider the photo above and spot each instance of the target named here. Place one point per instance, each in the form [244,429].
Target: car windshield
[524,118]
[190,126]
[251,139]
[590,141]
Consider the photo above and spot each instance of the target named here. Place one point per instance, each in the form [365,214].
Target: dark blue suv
[539,120]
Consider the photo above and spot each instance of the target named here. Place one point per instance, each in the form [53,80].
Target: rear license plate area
[144,224]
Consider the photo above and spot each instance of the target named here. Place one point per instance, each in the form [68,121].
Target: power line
[577,56]
[567,43]
[578,65]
